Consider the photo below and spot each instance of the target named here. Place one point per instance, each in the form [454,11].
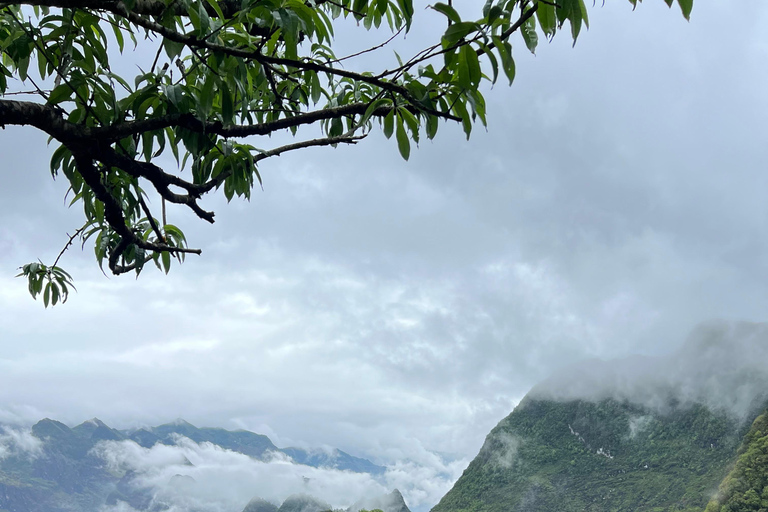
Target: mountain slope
[651,434]
[745,489]
[597,456]
[242,441]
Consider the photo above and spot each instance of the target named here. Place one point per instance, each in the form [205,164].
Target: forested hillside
[745,489]
[600,456]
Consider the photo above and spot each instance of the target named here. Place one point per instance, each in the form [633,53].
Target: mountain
[254,445]
[63,475]
[66,469]
[601,456]
[392,502]
[746,486]
[334,459]
[241,441]
[260,505]
[303,503]
[639,435]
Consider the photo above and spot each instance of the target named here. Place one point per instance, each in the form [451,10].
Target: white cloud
[19,442]
[222,480]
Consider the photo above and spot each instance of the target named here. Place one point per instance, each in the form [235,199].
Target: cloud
[19,442]
[723,365]
[217,480]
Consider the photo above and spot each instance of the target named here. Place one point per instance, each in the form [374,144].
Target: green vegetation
[604,456]
[745,489]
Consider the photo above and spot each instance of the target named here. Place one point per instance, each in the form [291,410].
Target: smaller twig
[345,8]
[372,49]
[69,242]
[327,141]
[150,218]
[157,56]
[19,93]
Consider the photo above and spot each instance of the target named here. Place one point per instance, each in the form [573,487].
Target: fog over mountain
[723,365]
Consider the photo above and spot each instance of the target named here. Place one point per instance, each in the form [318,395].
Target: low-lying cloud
[206,477]
[723,365]
[20,442]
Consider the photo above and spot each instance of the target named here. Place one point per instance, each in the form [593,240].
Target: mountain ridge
[65,471]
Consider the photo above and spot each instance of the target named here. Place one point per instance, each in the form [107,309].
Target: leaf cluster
[221,78]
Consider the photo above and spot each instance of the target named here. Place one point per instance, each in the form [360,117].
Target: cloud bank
[723,365]
[192,476]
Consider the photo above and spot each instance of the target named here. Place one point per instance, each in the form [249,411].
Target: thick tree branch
[193,123]
[43,117]
[113,214]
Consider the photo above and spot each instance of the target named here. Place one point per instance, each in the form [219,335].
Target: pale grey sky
[617,199]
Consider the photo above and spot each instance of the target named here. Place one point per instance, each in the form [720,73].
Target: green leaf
[54,294]
[215,5]
[432,125]
[172,48]
[531,38]
[473,65]
[686,6]
[507,62]
[61,93]
[227,106]
[47,294]
[449,11]
[547,18]
[372,108]
[462,69]
[457,32]
[403,143]
[165,257]
[389,124]
[205,98]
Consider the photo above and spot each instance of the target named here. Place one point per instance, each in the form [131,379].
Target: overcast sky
[618,198]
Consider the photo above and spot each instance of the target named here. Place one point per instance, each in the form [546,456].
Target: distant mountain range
[59,470]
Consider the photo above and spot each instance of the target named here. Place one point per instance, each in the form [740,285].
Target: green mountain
[639,435]
[603,456]
[745,489]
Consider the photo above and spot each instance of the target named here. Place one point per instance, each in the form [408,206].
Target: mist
[205,477]
[18,442]
[723,365]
